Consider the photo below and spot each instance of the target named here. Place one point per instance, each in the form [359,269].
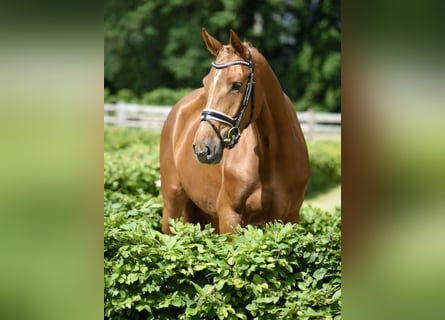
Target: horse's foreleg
[229,219]
[175,200]
[194,214]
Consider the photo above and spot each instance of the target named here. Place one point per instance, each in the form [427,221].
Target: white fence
[314,124]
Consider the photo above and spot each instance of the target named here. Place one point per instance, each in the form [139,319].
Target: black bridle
[210,114]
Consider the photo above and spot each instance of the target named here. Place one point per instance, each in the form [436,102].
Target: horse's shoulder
[182,117]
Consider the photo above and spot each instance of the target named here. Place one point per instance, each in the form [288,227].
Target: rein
[210,114]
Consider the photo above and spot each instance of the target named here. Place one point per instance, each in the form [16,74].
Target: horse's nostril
[202,152]
[207,151]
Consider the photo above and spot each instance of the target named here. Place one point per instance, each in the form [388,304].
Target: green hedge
[280,271]
[283,271]
[131,170]
[325,163]
[116,138]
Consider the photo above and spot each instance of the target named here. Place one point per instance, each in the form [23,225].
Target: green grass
[328,200]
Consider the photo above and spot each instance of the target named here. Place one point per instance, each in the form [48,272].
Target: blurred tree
[157,43]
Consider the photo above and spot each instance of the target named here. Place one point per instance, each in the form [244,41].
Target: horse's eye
[236,86]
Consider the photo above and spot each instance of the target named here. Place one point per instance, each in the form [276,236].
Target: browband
[229,63]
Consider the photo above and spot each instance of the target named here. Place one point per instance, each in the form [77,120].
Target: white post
[312,123]
[120,114]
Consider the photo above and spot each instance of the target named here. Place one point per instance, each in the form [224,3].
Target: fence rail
[314,124]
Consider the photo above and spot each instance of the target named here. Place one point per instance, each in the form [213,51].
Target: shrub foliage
[279,271]
[325,163]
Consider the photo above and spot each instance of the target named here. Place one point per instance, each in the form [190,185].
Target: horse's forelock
[228,48]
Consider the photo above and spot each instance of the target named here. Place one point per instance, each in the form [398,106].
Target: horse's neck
[270,130]
[274,124]
[274,116]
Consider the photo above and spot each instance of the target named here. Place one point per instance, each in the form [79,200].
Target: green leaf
[302,286]
[189,311]
[336,295]
[177,302]
[238,283]
[197,287]
[319,273]
[258,279]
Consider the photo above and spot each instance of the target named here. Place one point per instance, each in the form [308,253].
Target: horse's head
[228,92]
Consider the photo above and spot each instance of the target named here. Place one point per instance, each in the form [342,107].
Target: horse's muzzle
[209,152]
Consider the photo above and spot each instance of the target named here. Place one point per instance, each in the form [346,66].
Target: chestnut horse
[232,152]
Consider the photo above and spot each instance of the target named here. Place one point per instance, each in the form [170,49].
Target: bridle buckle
[232,137]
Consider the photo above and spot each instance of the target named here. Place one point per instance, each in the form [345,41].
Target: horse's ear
[212,44]
[237,44]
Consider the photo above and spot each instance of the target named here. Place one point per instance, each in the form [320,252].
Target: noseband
[210,114]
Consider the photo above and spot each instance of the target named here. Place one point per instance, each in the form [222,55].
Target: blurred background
[154,52]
